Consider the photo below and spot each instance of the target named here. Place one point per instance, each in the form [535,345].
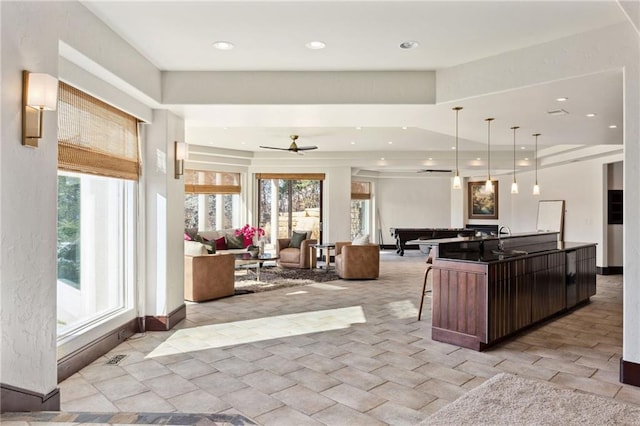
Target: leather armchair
[291,257]
[209,276]
[357,261]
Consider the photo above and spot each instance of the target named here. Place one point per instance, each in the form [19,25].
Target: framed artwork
[483,205]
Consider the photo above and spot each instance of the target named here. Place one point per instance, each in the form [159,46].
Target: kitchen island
[486,289]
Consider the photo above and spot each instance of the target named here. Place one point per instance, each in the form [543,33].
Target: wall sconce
[181,151]
[39,93]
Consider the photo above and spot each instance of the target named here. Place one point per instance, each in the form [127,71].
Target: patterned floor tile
[348,353]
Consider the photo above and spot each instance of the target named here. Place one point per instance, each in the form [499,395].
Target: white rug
[506,399]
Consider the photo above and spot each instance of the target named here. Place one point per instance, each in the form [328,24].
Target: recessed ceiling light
[243,143]
[316,45]
[430,158]
[382,158]
[390,142]
[358,128]
[453,147]
[353,143]
[526,158]
[591,114]
[409,44]
[613,126]
[522,147]
[404,127]
[223,45]
[478,159]
[562,99]
[225,128]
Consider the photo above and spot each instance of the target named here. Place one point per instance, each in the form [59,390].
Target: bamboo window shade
[94,137]
[209,182]
[360,190]
[291,176]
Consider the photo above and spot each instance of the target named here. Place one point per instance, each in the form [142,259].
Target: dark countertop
[472,239]
[490,257]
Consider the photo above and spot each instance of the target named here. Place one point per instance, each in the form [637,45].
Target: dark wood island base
[483,294]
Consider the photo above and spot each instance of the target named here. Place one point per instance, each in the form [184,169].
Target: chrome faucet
[500,242]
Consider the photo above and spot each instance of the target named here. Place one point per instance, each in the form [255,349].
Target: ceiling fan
[434,171]
[293,147]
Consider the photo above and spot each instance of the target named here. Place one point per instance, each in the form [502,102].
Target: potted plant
[251,235]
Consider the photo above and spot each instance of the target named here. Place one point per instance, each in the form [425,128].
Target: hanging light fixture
[456,178]
[514,184]
[536,187]
[488,186]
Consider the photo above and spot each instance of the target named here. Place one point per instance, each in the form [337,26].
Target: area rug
[274,277]
[506,399]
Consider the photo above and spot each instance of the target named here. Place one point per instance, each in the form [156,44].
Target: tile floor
[341,353]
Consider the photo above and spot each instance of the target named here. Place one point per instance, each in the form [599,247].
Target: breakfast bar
[486,289]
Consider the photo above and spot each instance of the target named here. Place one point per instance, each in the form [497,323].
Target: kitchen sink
[509,253]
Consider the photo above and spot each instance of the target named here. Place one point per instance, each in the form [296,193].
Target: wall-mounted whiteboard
[551,216]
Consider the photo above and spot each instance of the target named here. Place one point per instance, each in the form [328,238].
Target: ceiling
[365,36]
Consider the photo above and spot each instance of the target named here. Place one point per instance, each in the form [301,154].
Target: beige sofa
[209,276]
[357,261]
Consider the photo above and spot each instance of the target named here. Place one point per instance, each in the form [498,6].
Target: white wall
[413,203]
[30,35]
[28,211]
[164,204]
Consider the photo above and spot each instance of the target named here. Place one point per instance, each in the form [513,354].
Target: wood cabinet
[476,304]
[585,273]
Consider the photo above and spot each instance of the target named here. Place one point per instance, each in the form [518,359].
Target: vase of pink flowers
[251,235]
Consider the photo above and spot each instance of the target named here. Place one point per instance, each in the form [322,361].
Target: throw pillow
[187,237]
[191,232]
[246,241]
[361,240]
[297,238]
[194,248]
[303,232]
[235,241]
[221,243]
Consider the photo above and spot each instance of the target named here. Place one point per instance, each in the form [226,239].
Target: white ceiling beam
[298,87]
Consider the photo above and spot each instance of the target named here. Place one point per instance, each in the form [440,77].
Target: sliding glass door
[290,202]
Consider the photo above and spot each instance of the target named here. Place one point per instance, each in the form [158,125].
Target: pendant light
[488,186]
[456,178]
[536,187]
[514,185]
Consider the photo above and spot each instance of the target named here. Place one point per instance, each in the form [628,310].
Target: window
[288,202]
[98,168]
[360,208]
[95,248]
[212,200]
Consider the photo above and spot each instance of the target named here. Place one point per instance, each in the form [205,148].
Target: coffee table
[326,250]
[246,259]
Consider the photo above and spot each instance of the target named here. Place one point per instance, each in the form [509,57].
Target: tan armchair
[209,276]
[291,257]
[357,261]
